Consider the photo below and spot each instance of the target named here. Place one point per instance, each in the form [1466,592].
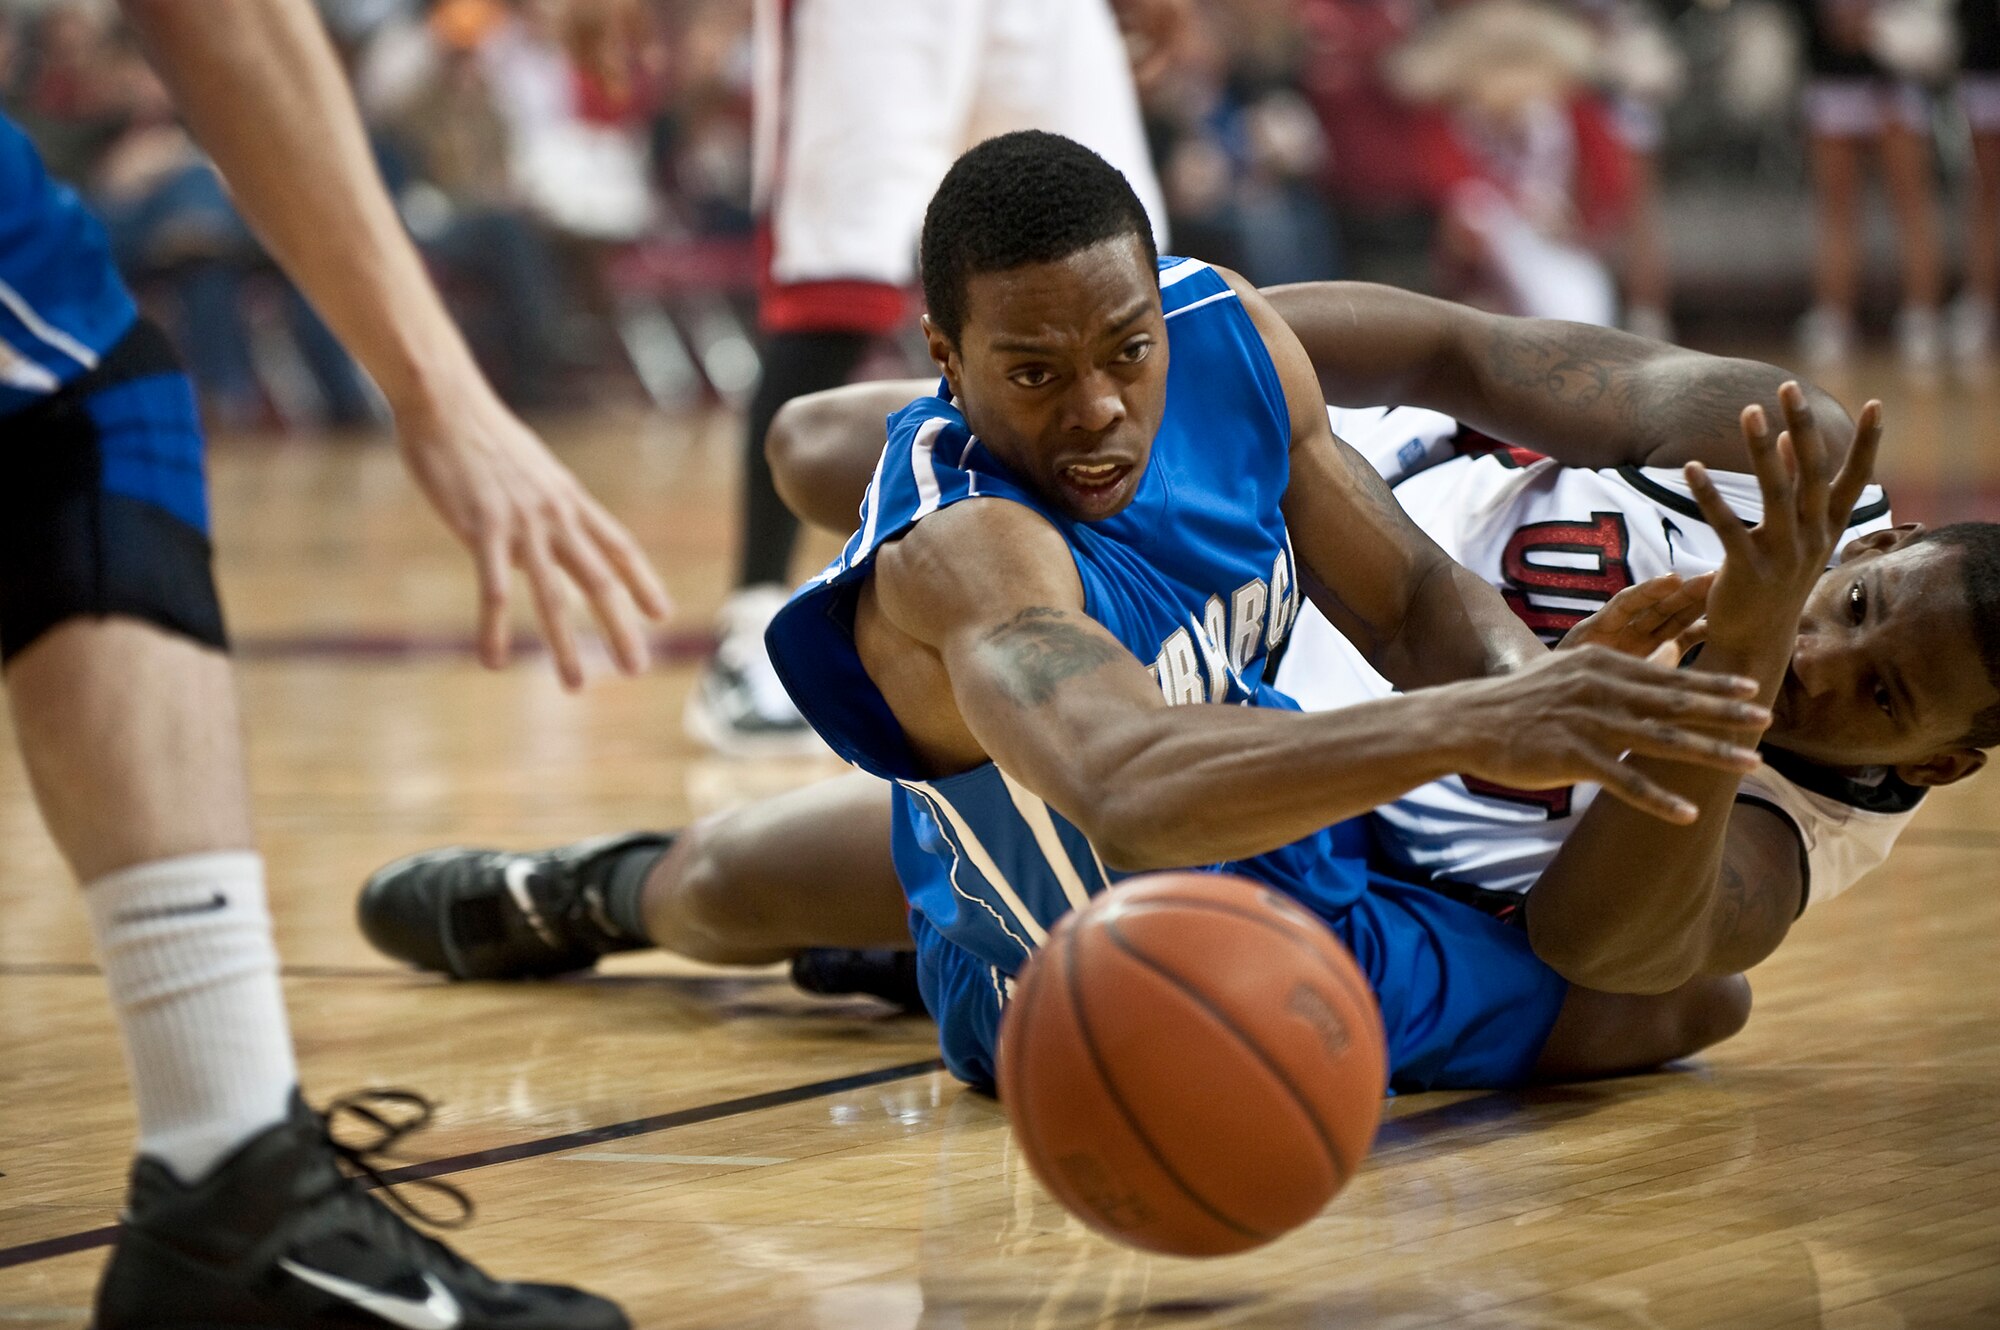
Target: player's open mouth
[1095,486]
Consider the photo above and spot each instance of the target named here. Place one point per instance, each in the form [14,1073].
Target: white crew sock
[187,954]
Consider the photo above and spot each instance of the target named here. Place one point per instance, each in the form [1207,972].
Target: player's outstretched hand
[1639,620]
[1572,715]
[515,506]
[1768,570]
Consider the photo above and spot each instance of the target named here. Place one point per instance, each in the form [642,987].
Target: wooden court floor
[718,1151]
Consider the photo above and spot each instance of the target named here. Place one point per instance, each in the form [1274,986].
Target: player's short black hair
[1021,198]
[1978,546]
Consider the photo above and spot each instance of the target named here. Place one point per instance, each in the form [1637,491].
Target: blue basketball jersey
[1195,577]
[62,305]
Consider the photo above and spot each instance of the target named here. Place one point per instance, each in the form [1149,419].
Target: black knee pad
[103,502]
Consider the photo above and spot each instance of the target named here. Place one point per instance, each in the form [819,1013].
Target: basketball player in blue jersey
[1066,585]
[1888,690]
[240,1212]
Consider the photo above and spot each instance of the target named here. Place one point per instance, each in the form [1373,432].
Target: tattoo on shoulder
[1041,647]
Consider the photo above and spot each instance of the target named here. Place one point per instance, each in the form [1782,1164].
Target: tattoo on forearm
[1576,370]
[1652,404]
[1042,646]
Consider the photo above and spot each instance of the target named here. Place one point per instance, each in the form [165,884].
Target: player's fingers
[1762,445]
[1728,528]
[1680,610]
[1808,446]
[1626,782]
[545,582]
[634,569]
[1859,468]
[614,612]
[1674,744]
[495,575]
[1618,671]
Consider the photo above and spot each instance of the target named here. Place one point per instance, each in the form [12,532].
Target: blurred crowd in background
[578,174]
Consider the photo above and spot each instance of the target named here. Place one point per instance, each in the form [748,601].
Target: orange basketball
[1193,1064]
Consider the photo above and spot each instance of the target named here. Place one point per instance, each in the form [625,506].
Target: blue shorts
[1465,1003]
[103,501]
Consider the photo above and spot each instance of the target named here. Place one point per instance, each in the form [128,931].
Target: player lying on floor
[1863,725]
[444,909]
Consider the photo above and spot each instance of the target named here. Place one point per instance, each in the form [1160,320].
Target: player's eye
[1883,700]
[1034,376]
[1857,603]
[1135,350]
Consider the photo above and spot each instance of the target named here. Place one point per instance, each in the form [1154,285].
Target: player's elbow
[1130,831]
[802,449]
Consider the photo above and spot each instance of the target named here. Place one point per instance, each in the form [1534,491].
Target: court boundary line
[44,1249]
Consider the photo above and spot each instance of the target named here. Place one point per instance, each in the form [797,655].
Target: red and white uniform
[1558,542]
[862,105]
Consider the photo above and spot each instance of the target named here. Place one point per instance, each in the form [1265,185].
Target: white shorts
[1858,108]
[862,105]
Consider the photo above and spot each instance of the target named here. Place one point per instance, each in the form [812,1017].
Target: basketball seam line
[1340,1168]
[1366,998]
[1131,1120]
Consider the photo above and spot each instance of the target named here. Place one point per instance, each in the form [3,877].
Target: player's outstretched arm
[261,89]
[823,447]
[973,626]
[1418,617]
[1586,396]
[1632,905]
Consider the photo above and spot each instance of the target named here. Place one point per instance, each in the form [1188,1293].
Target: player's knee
[704,912]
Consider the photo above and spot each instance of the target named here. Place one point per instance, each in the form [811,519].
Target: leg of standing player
[861,106]
[126,714]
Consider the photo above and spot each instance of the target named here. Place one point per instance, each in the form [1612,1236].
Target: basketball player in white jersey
[1879,667]
[859,107]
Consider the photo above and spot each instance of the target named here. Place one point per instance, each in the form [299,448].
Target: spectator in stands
[1243,154]
[1530,182]
[1862,97]
[450,151]
[1643,73]
[1972,314]
[110,129]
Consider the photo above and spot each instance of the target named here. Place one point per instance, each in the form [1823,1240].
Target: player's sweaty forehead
[1097,295]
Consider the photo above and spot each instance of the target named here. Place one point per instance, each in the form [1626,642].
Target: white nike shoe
[279,1237]
[738,707]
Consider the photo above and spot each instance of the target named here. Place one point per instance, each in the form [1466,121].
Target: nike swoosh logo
[438,1311]
[218,901]
[516,875]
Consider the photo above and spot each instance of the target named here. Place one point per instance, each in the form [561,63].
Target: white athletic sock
[187,954]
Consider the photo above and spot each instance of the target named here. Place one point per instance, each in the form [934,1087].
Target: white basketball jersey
[1558,542]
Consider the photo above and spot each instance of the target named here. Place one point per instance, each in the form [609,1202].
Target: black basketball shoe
[280,1236]
[838,971]
[496,914]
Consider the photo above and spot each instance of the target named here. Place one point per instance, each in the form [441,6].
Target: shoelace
[365,1159]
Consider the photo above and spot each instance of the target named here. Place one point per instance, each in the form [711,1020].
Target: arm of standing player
[259,85]
[987,593]
[1417,616]
[1586,396]
[823,446]
[1630,905]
